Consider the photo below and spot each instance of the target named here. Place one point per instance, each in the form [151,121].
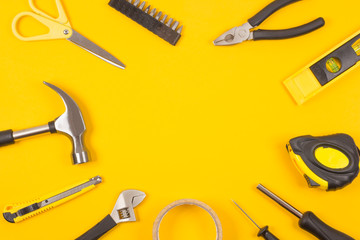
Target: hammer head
[71,124]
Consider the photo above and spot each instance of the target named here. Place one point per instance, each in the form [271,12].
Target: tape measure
[328,162]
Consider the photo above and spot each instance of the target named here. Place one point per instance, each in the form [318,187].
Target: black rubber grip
[6,138]
[311,223]
[289,33]
[266,234]
[52,127]
[268,10]
[99,229]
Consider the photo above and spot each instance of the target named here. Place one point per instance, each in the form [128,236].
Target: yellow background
[191,121]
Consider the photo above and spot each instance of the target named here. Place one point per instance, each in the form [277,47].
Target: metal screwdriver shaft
[284,204]
[264,232]
[308,220]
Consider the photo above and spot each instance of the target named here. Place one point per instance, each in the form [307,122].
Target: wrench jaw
[124,207]
[72,125]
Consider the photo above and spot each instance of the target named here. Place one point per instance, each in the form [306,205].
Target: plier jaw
[235,35]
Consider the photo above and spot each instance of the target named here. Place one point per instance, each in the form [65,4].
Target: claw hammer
[70,123]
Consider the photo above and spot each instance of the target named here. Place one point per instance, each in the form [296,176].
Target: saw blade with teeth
[149,18]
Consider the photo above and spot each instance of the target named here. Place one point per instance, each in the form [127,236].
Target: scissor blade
[91,47]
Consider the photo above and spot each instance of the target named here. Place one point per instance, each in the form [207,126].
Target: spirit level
[325,70]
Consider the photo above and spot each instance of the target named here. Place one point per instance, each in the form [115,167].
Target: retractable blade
[14,213]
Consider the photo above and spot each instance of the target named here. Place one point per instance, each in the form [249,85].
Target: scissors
[60,28]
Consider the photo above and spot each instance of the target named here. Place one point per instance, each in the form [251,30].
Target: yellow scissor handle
[56,30]
[59,28]
[62,15]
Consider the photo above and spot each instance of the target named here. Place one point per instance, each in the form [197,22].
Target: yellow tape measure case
[328,162]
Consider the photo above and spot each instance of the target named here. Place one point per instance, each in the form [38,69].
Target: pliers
[243,33]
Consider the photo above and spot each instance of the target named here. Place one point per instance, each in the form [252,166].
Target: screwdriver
[308,221]
[264,232]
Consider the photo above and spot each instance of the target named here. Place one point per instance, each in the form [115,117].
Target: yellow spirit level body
[325,70]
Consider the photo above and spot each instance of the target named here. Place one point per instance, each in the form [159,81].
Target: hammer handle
[32,131]
[6,138]
[9,136]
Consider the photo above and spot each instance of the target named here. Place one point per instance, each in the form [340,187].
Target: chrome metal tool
[18,212]
[263,232]
[150,19]
[244,32]
[308,220]
[122,212]
[70,123]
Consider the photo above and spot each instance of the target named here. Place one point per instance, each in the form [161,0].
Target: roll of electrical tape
[192,202]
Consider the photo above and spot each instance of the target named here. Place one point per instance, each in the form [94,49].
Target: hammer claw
[71,124]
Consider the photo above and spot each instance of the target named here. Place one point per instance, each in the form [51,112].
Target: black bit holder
[167,31]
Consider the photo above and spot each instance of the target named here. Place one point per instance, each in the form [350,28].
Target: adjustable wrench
[122,212]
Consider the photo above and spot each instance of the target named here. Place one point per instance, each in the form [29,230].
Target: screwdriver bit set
[154,21]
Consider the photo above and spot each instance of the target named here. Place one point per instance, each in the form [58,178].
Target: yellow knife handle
[56,30]
[11,211]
